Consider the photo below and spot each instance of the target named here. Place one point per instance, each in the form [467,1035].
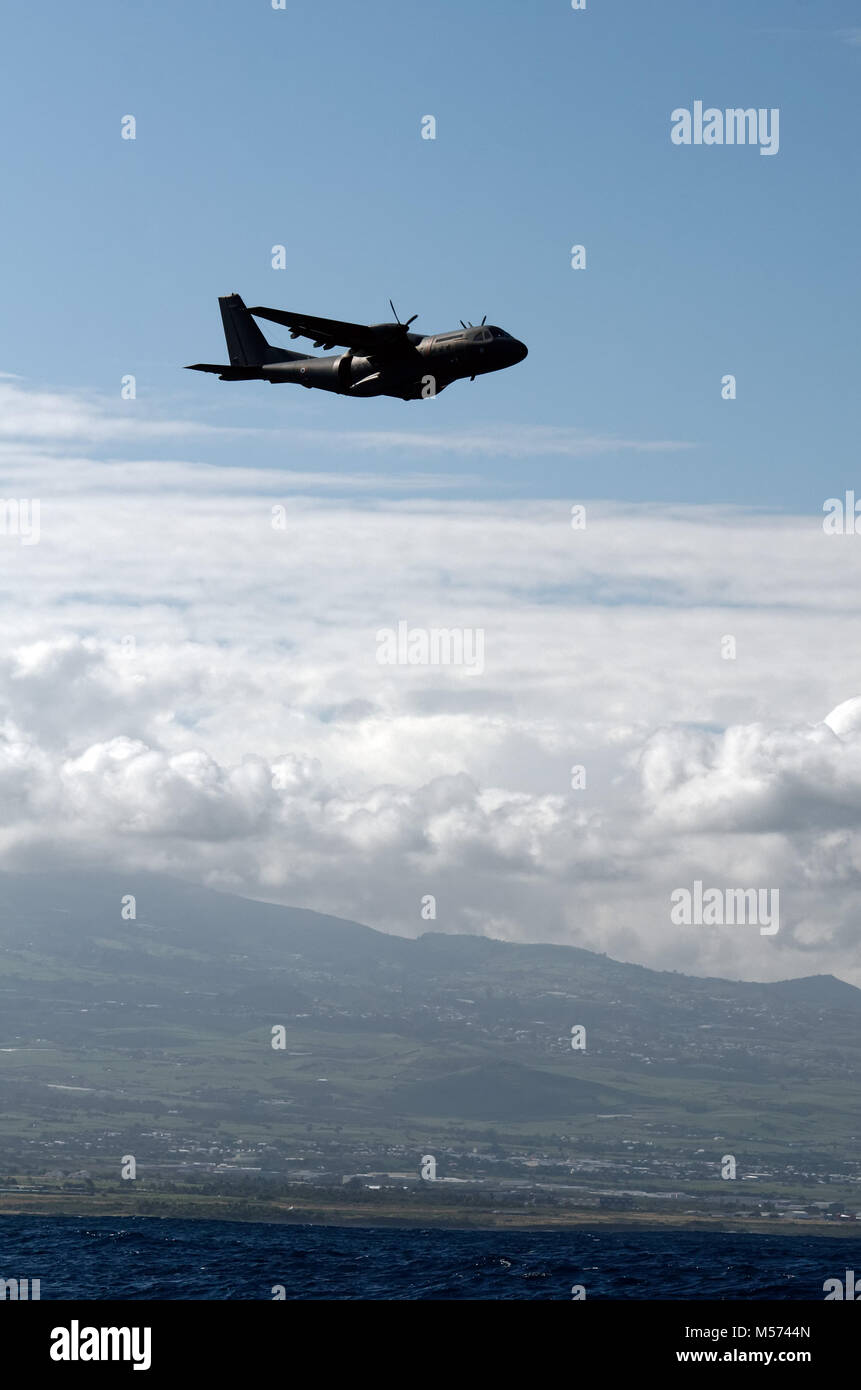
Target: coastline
[345,1214]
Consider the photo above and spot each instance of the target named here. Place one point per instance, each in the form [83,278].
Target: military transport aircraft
[381,359]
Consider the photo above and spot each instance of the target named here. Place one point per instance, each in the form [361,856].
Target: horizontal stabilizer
[227,373]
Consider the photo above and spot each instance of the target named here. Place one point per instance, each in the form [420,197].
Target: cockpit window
[498,333]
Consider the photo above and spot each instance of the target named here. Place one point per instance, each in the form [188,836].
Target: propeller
[470,324]
[395,312]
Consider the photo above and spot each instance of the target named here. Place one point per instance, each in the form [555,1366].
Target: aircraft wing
[326,333]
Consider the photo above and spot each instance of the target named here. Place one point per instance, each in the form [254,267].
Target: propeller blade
[484,321]
[408,322]
[462,324]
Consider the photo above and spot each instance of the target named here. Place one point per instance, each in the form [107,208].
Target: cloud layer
[186,686]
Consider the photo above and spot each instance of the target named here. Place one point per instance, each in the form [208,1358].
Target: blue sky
[302,127]
[186,687]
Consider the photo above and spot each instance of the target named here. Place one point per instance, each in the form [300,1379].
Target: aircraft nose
[520,350]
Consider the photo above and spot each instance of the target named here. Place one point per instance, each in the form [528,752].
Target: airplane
[381,359]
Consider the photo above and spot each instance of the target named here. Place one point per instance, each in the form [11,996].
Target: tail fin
[248,349]
[246,345]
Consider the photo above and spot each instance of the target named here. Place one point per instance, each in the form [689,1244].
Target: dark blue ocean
[147,1258]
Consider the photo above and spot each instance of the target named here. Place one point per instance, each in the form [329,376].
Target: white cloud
[754,778]
[27,414]
[51,418]
[248,737]
[501,441]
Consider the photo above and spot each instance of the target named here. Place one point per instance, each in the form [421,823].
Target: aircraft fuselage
[430,364]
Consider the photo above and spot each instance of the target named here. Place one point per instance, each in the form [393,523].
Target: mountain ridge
[282,923]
